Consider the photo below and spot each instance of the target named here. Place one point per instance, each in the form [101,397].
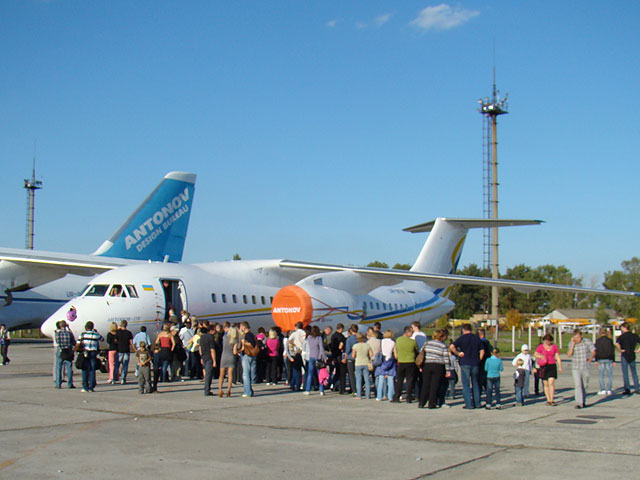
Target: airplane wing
[383,276]
[24,269]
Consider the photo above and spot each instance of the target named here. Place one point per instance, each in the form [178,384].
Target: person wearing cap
[527,365]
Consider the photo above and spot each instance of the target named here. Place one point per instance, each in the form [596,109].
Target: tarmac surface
[180,433]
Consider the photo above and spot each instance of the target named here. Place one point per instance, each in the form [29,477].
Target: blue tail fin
[157,229]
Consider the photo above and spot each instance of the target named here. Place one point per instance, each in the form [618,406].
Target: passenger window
[384,306]
[377,306]
[213,297]
[270,300]
[253,299]
[224,298]
[133,293]
[244,299]
[262,298]
[234,298]
[97,290]
[371,305]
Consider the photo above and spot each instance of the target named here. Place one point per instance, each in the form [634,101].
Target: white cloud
[382,19]
[443,17]
[332,23]
[361,25]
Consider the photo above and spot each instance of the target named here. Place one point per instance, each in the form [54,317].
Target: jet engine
[313,304]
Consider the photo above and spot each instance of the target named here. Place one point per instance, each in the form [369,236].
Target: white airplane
[34,284]
[284,292]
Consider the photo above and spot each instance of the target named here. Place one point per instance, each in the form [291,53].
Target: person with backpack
[386,373]
[65,341]
[89,343]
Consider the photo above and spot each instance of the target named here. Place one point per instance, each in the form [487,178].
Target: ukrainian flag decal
[147,288]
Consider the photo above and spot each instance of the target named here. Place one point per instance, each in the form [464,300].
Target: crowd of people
[409,368]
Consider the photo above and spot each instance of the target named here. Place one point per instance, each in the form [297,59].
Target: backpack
[378,359]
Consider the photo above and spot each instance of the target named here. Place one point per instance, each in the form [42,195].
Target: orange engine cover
[292,304]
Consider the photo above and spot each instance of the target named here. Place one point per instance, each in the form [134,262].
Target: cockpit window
[131,290]
[97,291]
[84,290]
[116,291]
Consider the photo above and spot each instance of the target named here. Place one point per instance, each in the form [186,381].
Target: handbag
[251,350]
[80,362]
[66,354]
[320,364]
[101,366]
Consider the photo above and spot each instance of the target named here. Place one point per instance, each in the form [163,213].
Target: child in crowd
[144,368]
[493,367]
[453,375]
[519,381]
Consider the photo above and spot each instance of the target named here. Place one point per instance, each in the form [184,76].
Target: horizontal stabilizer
[467,223]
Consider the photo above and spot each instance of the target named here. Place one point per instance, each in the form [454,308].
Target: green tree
[627,279]
[402,266]
[236,256]
[540,301]
[514,319]
[443,322]
[377,264]
[602,317]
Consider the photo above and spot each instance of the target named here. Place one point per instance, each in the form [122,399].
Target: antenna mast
[31,185]
[491,108]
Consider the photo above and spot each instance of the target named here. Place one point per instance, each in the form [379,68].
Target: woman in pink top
[548,358]
[273,346]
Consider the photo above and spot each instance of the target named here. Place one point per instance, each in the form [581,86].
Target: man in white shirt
[418,335]
[185,334]
[298,336]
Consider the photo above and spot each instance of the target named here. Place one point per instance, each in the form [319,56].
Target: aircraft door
[175,296]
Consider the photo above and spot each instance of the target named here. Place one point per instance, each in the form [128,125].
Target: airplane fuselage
[235,291]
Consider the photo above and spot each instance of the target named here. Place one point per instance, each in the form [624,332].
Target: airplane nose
[48,327]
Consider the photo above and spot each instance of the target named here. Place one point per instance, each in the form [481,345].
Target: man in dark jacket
[337,351]
[470,350]
[605,359]
[627,343]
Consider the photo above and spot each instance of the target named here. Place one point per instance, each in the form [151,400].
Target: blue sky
[319,130]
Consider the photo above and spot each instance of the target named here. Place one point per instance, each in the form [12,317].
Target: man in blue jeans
[248,361]
[124,340]
[64,341]
[627,343]
[469,350]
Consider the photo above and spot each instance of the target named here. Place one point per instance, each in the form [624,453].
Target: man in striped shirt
[90,340]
